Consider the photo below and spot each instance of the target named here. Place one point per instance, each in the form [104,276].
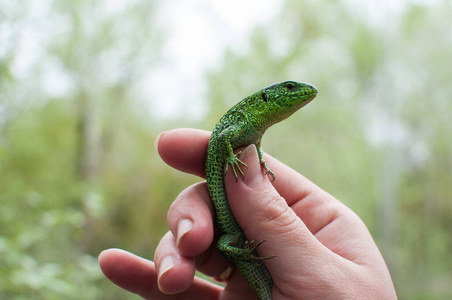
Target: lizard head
[278,101]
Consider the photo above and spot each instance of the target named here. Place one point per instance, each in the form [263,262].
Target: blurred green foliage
[79,173]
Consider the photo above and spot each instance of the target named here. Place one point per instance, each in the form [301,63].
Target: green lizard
[242,125]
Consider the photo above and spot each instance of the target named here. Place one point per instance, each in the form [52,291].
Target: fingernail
[184,226]
[157,140]
[254,174]
[248,151]
[166,264]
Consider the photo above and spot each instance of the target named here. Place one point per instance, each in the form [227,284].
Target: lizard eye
[264,96]
[290,86]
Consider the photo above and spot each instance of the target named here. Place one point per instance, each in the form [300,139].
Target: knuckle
[279,214]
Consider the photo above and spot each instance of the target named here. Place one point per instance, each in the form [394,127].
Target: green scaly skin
[242,125]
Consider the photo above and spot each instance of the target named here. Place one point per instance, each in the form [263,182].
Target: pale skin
[322,249]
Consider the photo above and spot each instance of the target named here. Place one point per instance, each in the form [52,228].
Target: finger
[185,149]
[264,215]
[128,271]
[190,220]
[191,223]
[329,221]
[175,272]
[139,276]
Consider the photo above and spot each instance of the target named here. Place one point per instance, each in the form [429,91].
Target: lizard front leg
[260,153]
[225,139]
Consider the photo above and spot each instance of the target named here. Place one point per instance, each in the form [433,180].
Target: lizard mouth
[312,90]
[308,94]
[311,93]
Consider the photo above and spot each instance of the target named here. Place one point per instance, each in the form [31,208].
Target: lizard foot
[250,247]
[267,170]
[227,245]
[235,163]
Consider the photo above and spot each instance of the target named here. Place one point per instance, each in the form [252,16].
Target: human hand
[323,249]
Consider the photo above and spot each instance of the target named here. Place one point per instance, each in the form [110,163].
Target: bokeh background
[85,87]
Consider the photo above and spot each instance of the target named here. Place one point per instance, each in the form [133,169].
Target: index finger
[185,149]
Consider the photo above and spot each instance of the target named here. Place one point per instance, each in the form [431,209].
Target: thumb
[264,215]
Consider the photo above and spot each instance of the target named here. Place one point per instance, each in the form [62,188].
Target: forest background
[85,87]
